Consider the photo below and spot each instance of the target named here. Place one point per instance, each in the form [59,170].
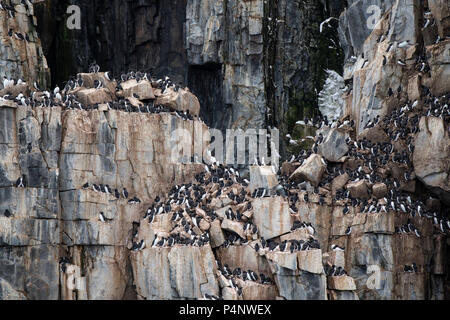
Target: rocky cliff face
[53,216]
[21,54]
[364,215]
[404,57]
[252,63]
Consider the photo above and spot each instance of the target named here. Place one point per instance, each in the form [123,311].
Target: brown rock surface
[272,217]
[439,60]
[182,100]
[310,261]
[358,189]
[287,168]
[89,97]
[262,177]
[431,156]
[244,257]
[143,89]
[342,283]
[311,170]
[379,190]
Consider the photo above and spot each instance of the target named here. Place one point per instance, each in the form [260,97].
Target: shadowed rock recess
[100,199]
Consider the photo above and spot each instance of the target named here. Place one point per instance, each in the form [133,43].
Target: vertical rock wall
[53,216]
[21,59]
[267,60]
[119,35]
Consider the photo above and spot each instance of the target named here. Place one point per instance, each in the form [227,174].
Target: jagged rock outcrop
[333,146]
[311,170]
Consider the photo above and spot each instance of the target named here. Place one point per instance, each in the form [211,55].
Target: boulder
[283,259]
[89,79]
[272,217]
[143,89]
[379,190]
[310,261]
[299,234]
[8,104]
[216,234]
[336,258]
[311,170]
[342,283]
[216,203]
[222,212]
[339,183]
[135,102]
[414,88]
[358,189]
[234,226]
[89,97]
[183,100]
[288,168]
[204,225]
[375,135]
[431,154]
[333,146]
[244,257]
[262,177]
[15,90]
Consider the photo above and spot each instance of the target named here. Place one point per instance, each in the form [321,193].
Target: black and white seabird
[335,247]
[348,231]
[404,44]
[20,183]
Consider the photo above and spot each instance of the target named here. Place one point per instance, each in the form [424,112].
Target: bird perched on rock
[20,183]
[335,247]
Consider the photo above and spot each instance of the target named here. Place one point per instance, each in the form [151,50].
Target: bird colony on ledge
[217,209]
[351,203]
